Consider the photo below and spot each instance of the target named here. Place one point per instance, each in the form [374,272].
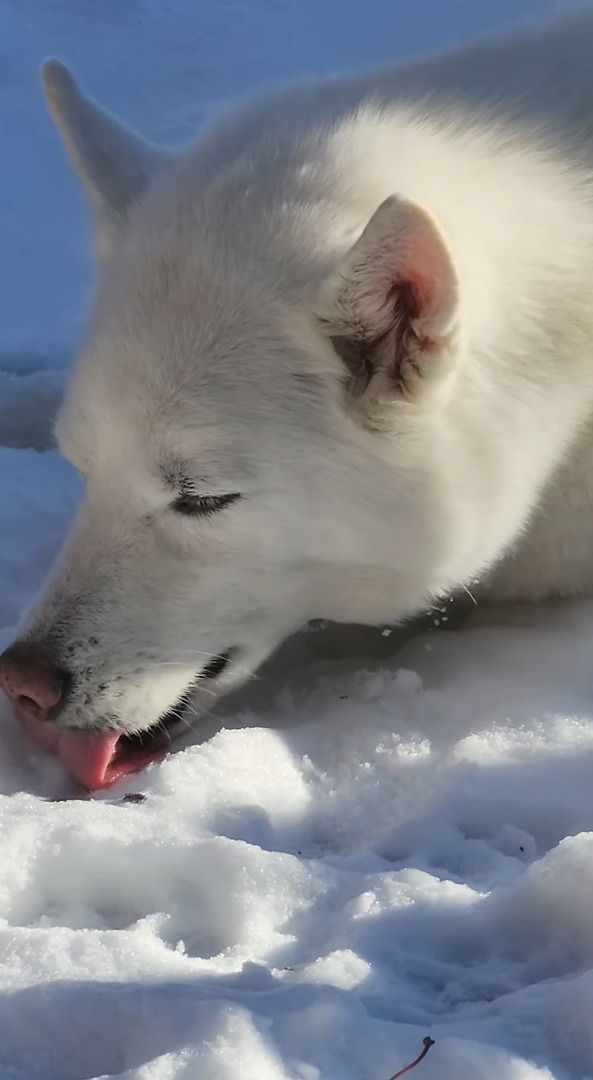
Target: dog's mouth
[98,759]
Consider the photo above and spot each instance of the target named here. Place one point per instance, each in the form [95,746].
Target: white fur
[365,305]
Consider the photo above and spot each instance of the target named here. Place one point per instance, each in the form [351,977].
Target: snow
[357,852]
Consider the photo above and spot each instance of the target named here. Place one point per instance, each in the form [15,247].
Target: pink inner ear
[399,271]
[423,263]
[420,295]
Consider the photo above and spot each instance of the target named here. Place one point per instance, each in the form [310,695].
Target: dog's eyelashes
[202,505]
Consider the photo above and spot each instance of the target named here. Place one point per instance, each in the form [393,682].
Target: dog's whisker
[185,657]
[471,595]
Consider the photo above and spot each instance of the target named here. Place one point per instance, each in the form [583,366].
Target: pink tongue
[89,756]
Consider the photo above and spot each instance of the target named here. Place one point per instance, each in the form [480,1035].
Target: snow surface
[355,854]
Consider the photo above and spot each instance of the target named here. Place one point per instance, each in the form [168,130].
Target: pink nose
[31,680]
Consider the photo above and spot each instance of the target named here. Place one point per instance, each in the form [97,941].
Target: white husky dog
[340,363]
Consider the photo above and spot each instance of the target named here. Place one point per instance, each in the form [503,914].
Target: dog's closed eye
[202,505]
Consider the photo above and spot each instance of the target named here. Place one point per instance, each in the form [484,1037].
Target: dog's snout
[32,680]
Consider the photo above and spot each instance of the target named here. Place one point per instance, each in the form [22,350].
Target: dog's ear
[391,308]
[114,164]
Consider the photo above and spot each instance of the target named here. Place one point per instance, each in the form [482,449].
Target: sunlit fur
[236,340]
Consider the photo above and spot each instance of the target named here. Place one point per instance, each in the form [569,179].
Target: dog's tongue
[90,757]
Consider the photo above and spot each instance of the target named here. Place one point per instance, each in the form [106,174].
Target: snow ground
[373,853]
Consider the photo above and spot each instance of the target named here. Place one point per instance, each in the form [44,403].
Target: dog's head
[249,415]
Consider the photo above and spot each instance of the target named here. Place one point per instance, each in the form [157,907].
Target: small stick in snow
[427,1043]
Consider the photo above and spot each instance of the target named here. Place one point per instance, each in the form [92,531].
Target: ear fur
[114,164]
[391,308]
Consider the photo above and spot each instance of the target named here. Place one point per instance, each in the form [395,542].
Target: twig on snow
[427,1043]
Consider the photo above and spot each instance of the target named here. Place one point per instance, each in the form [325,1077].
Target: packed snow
[385,836]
